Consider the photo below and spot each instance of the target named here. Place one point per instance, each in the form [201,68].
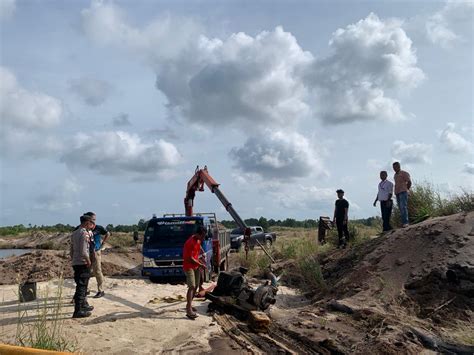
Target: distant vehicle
[164,240]
[256,233]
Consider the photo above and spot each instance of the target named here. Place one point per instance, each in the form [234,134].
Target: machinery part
[232,290]
[264,296]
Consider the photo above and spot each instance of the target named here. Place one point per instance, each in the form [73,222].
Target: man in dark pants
[81,264]
[384,195]
[341,217]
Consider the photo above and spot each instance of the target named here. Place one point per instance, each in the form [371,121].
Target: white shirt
[385,189]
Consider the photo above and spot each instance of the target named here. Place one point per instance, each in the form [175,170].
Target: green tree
[262,221]
[141,225]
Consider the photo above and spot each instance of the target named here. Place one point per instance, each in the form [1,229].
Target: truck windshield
[169,233]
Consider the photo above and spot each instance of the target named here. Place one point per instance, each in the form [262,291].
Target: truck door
[260,234]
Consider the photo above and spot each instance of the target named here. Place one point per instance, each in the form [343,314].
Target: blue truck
[164,240]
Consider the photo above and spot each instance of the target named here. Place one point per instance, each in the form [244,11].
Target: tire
[268,243]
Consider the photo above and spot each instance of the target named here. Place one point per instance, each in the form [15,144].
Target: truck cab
[164,240]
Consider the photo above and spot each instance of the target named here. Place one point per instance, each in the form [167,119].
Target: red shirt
[191,249]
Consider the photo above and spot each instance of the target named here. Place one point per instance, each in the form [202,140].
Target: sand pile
[404,292]
[37,240]
[43,265]
[422,267]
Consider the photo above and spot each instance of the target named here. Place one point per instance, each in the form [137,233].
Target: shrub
[49,245]
[44,329]
[310,271]
[426,201]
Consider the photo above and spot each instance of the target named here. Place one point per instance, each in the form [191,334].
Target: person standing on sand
[384,196]
[341,218]
[99,236]
[402,186]
[81,264]
[191,266]
[135,237]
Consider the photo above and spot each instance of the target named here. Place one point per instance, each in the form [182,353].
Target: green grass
[122,240]
[43,327]
[358,233]
[426,201]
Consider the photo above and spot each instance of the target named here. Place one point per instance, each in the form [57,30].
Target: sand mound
[43,265]
[427,268]
[37,240]
[404,292]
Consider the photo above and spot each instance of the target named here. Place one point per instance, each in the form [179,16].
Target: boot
[87,307]
[79,312]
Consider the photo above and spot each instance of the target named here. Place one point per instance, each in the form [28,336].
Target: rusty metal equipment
[235,294]
[324,225]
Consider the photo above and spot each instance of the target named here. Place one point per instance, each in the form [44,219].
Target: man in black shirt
[341,217]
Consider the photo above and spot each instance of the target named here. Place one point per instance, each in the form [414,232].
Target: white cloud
[162,39]
[469,168]
[64,196]
[25,109]
[93,92]
[7,9]
[109,153]
[367,59]
[416,153]
[448,25]
[453,141]
[279,155]
[26,118]
[302,197]
[269,78]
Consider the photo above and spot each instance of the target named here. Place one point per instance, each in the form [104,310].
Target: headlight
[237,239]
[148,262]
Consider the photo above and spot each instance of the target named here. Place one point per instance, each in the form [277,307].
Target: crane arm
[196,183]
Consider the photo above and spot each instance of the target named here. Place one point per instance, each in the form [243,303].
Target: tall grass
[43,327]
[301,249]
[358,233]
[426,201]
[121,240]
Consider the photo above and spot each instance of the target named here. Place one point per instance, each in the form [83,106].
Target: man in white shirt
[384,195]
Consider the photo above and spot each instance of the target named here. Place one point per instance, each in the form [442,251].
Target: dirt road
[135,316]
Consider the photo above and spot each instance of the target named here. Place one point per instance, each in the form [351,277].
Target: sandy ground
[409,291]
[124,321]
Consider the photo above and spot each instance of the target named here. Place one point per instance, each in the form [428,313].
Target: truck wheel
[268,244]
[224,264]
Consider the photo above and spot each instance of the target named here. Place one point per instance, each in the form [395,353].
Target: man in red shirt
[191,265]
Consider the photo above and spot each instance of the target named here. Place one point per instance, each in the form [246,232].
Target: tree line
[140,226]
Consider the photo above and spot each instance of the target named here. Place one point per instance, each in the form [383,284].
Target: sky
[109,106]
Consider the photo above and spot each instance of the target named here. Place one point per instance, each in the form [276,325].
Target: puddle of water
[5,253]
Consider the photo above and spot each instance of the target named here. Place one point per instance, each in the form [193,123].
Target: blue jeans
[402,201]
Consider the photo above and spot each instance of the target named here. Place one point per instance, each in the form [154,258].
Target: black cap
[340,191]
